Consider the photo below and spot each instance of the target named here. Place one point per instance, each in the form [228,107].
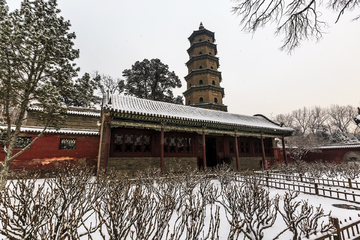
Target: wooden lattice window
[67,143]
[231,146]
[242,147]
[257,147]
[177,144]
[22,142]
[132,143]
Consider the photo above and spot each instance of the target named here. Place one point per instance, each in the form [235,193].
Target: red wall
[44,154]
[325,155]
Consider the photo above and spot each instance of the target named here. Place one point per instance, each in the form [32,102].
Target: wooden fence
[344,230]
[282,181]
[322,181]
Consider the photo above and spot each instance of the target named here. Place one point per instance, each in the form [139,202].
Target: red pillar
[162,149]
[284,149]
[237,153]
[106,146]
[204,149]
[263,153]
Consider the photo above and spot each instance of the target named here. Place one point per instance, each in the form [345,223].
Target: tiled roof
[74,111]
[126,104]
[337,146]
[34,129]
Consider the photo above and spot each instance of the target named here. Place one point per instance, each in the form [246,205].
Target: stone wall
[130,165]
[247,163]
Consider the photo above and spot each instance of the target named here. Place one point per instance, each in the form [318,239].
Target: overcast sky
[257,76]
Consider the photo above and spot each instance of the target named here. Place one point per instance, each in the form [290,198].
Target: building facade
[76,143]
[139,133]
[203,79]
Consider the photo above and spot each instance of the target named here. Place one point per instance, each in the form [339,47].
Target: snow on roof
[127,104]
[336,146]
[34,129]
[75,111]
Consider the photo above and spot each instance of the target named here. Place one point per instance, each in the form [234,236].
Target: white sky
[257,76]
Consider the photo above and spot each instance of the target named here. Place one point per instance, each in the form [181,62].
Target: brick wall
[130,165]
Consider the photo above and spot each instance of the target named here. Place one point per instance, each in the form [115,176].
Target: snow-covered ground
[326,203]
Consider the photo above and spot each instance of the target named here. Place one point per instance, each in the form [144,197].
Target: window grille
[67,143]
[22,142]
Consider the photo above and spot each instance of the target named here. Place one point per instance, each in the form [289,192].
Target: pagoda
[203,79]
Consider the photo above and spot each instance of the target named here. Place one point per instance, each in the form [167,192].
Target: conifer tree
[36,64]
[151,79]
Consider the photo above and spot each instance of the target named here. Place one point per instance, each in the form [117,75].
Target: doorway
[211,154]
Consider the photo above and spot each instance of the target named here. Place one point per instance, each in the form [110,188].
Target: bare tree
[301,218]
[302,119]
[341,117]
[285,119]
[317,119]
[297,20]
[107,84]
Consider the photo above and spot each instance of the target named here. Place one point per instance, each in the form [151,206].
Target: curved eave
[201,32]
[198,44]
[200,123]
[203,56]
[203,71]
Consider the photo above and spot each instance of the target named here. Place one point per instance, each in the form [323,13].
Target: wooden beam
[162,149]
[264,166]
[106,145]
[237,153]
[204,148]
[284,149]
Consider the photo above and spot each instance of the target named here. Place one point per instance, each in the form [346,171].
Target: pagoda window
[200,52]
[201,82]
[212,67]
[190,85]
[215,100]
[210,53]
[201,100]
[200,40]
[213,82]
[200,67]
[189,102]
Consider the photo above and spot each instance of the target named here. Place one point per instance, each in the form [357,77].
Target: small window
[22,142]
[213,82]
[200,40]
[189,102]
[201,100]
[200,52]
[200,67]
[190,85]
[215,100]
[200,82]
[67,143]
[212,67]
[210,53]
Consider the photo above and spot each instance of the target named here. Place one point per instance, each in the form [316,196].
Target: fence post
[335,222]
[316,189]
[267,181]
[350,184]
[301,179]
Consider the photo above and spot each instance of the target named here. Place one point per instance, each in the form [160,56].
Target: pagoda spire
[201,26]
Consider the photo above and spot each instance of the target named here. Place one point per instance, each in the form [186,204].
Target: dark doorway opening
[211,155]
